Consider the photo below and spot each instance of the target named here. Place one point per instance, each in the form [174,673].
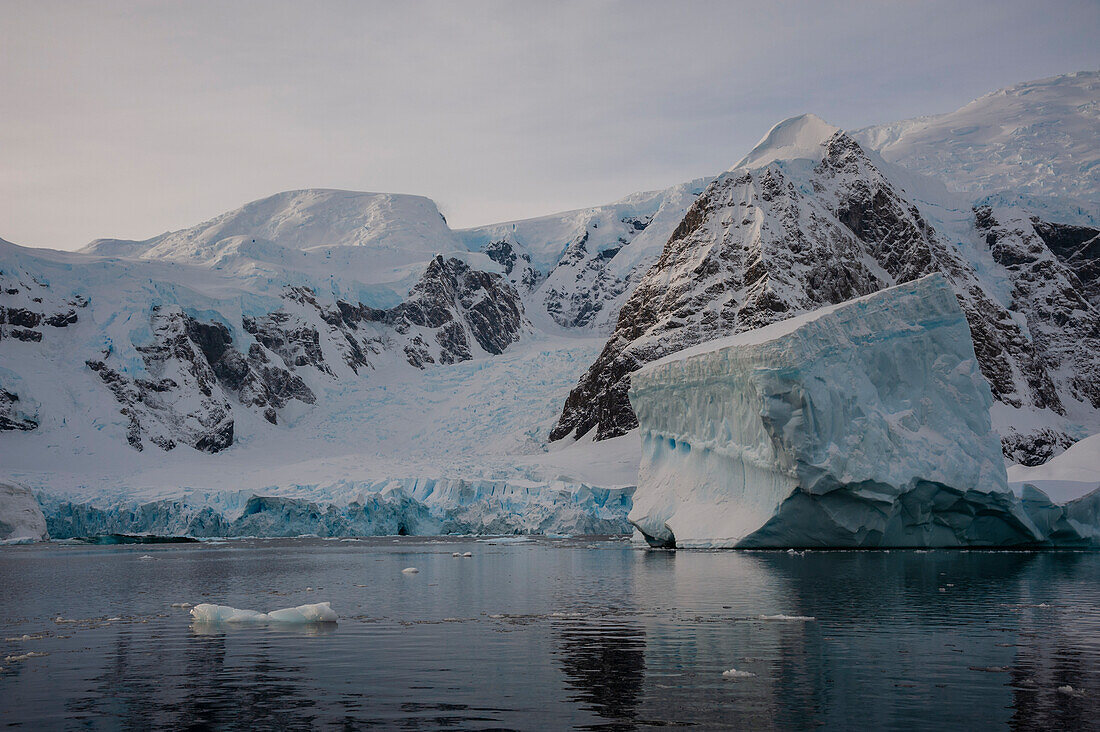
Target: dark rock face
[11,416]
[503,253]
[20,322]
[1078,247]
[451,310]
[193,366]
[197,372]
[455,305]
[581,285]
[296,332]
[23,334]
[1063,325]
[756,248]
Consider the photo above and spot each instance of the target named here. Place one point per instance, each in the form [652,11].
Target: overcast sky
[130,119]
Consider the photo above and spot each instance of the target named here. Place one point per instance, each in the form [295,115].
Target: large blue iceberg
[863,424]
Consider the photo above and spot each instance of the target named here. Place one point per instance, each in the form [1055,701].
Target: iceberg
[316,613]
[21,518]
[862,424]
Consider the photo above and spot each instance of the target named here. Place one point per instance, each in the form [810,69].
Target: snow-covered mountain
[334,348]
[1036,143]
[809,218]
[576,268]
[246,355]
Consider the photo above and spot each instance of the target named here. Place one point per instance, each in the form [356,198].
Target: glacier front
[863,424]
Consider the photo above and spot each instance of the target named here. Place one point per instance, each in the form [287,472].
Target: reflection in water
[211,688]
[307,629]
[552,634]
[604,662]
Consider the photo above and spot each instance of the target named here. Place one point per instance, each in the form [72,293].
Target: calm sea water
[550,634]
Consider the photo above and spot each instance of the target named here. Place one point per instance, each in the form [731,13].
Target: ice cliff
[390,507]
[21,518]
[863,424]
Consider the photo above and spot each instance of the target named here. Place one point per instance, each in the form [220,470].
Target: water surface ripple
[548,634]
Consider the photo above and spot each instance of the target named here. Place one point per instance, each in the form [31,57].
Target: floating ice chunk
[468,554]
[182,605]
[507,540]
[793,618]
[145,556]
[735,674]
[21,519]
[411,570]
[317,613]
[24,656]
[456,554]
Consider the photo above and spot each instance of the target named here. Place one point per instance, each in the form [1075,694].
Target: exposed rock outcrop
[765,243]
[191,367]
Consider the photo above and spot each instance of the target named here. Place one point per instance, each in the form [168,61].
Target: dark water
[553,634]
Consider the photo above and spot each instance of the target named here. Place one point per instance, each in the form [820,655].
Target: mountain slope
[576,268]
[1037,139]
[809,219]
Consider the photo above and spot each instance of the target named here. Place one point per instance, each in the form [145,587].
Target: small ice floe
[507,540]
[468,554]
[498,616]
[145,556]
[456,554]
[410,570]
[24,657]
[316,613]
[25,637]
[183,605]
[793,618]
[1070,691]
[735,674]
[794,553]
[309,589]
[59,620]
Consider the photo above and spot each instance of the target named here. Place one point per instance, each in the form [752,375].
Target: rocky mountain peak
[767,240]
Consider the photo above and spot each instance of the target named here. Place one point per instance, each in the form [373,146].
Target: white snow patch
[797,138]
[1074,473]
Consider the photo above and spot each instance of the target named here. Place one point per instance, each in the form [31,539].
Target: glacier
[863,424]
[388,507]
